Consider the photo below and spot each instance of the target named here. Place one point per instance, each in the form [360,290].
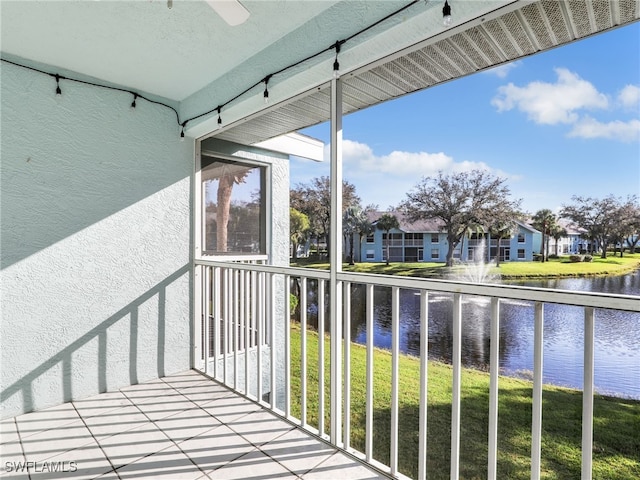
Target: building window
[520,238]
[435,238]
[371,254]
[435,253]
[521,254]
[370,238]
[234,207]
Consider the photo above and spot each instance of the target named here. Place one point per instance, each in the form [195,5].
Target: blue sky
[560,123]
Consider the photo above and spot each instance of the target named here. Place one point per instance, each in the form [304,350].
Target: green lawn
[616,425]
[561,267]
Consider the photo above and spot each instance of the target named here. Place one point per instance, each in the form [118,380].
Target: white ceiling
[143,44]
[191,57]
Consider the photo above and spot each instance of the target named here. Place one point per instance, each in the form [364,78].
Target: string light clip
[58,91]
[266,88]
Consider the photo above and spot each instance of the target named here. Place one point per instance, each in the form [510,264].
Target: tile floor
[183,426]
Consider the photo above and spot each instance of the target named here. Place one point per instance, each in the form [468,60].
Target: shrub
[554,256]
[293,303]
[537,257]
[587,258]
[575,258]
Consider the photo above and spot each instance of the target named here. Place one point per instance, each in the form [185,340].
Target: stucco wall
[95,242]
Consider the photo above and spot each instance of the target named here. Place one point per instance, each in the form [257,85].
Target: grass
[616,451]
[561,267]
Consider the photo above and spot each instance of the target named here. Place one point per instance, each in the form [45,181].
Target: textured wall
[95,242]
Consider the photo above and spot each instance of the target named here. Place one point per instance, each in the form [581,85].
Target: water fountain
[477,270]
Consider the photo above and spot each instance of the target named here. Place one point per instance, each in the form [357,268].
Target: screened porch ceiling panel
[482,44]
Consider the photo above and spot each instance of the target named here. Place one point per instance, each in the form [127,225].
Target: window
[234,207]
[521,255]
[435,238]
[371,254]
[520,238]
[370,238]
[435,253]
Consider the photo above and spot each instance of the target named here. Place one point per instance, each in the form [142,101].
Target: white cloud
[501,71]
[588,127]
[385,179]
[629,96]
[359,158]
[551,103]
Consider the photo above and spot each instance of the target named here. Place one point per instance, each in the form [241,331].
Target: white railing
[248,348]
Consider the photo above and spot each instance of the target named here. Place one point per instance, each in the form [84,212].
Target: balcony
[179,426]
[313,384]
[101,226]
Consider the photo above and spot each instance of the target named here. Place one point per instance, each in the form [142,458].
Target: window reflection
[234,207]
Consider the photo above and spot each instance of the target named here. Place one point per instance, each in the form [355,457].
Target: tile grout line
[24,454]
[256,447]
[277,417]
[113,469]
[162,430]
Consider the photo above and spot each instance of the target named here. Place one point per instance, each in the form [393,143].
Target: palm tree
[387,222]
[557,232]
[544,220]
[365,228]
[500,231]
[228,178]
[351,220]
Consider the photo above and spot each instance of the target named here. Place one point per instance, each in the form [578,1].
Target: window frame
[265,209]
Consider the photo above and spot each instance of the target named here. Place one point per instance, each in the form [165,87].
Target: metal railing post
[335,252]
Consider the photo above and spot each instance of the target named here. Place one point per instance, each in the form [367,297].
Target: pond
[617,334]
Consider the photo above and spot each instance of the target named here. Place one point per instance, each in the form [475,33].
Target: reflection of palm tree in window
[230,176]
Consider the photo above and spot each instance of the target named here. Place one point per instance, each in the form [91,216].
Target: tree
[387,222]
[298,228]
[352,221]
[314,200]
[634,231]
[626,230]
[501,229]
[545,221]
[460,201]
[225,188]
[599,217]
[365,227]
[557,232]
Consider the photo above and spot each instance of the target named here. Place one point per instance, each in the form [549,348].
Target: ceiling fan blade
[231,11]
